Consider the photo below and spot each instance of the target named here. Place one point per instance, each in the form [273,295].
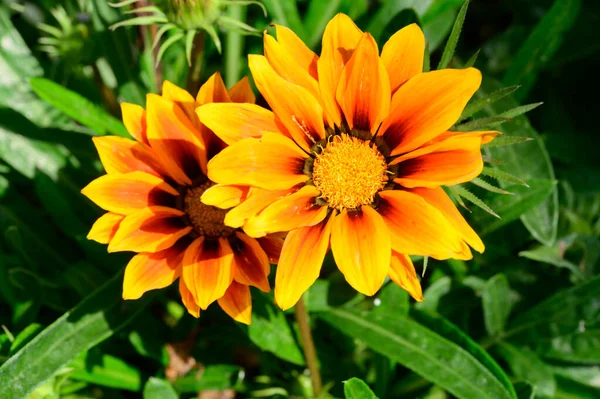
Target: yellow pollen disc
[207,220]
[349,172]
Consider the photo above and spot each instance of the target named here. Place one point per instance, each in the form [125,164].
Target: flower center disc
[207,220]
[349,172]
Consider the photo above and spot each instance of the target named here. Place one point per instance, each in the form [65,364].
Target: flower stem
[310,353]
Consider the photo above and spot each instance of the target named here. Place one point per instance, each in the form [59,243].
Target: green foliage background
[520,321]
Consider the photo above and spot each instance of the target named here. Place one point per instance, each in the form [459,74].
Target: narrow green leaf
[502,176]
[454,35]
[140,21]
[355,388]
[271,331]
[96,318]
[427,59]
[460,191]
[511,207]
[526,366]
[189,43]
[105,370]
[471,61]
[123,3]
[520,110]
[476,105]
[161,31]
[481,123]
[176,36]
[156,388]
[25,336]
[215,37]
[541,45]
[495,297]
[78,107]
[553,256]
[489,187]
[439,360]
[528,161]
[502,141]
[145,9]
[581,347]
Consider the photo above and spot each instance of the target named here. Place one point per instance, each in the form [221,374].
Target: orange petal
[258,199]
[403,55]
[233,122]
[147,272]
[134,119]
[453,161]
[151,229]
[251,262]
[438,198]
[297,50]
[272,247]
[241,92]
[402,272]
[188,299]
[225,196]
[181,97]
[237,303]
[288,213]
[427,105]
[208,269]
[417,227]
[174,139]
[284,63]
[121,155]
[213,91]
[361,246]
[300,264]
[272,162]
[295,107]
[340,38]
[105,228]
[363,91]
[128,192]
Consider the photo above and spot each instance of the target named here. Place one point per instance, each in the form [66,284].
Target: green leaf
[552,256]
[524,390]
[271,331]
[392,300]
[105,370]
[156,388]
[520,110]
[481,124]
[460,191]
[502,176]
[489,187]
[511,207]
[502,141]
[528,161]
[214,378]
[585,375]
[78,107]
[454,35]
[579,347]
[476,105]
[558,315]
[355,388]
[541,45]
[96,318]
[25,336]
[495,297]
[430,355]
[525,365]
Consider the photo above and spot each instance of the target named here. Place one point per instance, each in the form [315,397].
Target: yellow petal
[188,299]
[363,91]
[147,272]
[428,105]
[121,155]
[237,303]
[234,122]
[241,92]
[297,50]
[181,97]
[340,38]
[361,246]
[257,200]
[134,119]
[225,196]
[294,106]
[213,91]
[300,263]
[208,269]
[272,162]
[402,272]
[272,247]
[105,228]
[151,229]
[403,55]
[251,262]
[128,192]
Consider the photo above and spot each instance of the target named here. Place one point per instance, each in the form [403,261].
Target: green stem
[308,346]
[193,83]
[234,45]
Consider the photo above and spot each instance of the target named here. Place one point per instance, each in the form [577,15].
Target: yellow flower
[355,153]
[152,193]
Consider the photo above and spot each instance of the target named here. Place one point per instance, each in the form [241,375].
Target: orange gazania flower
[152,193]
[356,156]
